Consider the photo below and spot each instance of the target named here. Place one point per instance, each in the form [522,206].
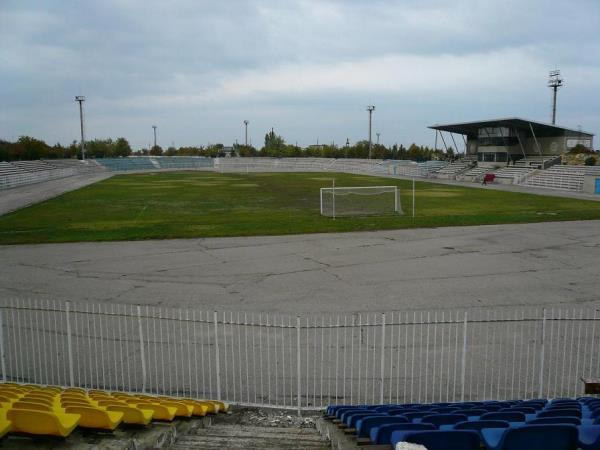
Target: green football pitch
[201,204]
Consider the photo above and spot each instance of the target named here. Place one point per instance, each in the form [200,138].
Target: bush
[590,161]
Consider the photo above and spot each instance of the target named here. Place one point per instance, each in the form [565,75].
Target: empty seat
[132,415]
[441,420]
[96,418]
[42,422]
[5,427]
[560,413]
[508,416]
[474,412]
[443,440]
[589,437]
[352,419]
[478,425]
[382,435]
[531,437]
[366,424]
[547,420]
[161,412]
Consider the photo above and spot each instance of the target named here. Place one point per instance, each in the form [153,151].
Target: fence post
[69,344]
[2,354]
[464,361]
[382,358]
[217,364]
[298,370]
[542,349]
[142,356]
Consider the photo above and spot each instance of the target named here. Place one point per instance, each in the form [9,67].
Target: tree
[590,161]
[121,147]
[274,145]
[156,150]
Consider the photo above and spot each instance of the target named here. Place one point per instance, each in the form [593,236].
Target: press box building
[501,142]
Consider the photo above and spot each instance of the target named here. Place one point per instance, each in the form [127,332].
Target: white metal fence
[301,362]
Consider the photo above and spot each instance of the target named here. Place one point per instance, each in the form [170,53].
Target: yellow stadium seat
[42,422]
[37,399]
[5,399]
[13,393]
[66,403]
[210,408]
[223,407]
[74,389]
[53,388]
[133,415]
[97,418]
[181,409]
[109,402]
[5,427]
[161,412]
[33,406]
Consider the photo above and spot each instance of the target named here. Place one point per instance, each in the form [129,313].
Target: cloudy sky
[308,68]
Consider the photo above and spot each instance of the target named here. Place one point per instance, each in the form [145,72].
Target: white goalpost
[360,201]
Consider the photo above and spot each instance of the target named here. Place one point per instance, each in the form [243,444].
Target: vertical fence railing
[304,362]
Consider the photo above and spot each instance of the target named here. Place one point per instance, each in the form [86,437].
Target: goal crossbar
[359,200]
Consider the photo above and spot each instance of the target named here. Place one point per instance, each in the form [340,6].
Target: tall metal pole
[246,125]
[554,82]
[154,128]
[81,99]
[370,108]
[377,138]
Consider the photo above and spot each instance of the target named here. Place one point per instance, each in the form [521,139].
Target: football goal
[360,201]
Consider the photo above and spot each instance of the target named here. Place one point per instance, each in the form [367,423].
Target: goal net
[360,201]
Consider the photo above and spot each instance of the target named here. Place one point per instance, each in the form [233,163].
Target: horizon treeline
[29,148]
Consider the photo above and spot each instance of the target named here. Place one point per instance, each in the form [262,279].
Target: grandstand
[561,177]
[558,424]
[19,173]
[454,169]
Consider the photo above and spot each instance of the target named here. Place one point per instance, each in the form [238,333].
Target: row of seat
[519,424]
[54,411]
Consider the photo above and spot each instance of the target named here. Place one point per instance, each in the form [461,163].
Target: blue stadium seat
[523,409]
[560,413]
[366,424]
[589,437]
[416,415]
[513,417]
[443,440]
[548,420]
[351,419]
[478,425]
[443,420]
[471,412]
[382,435]
[531,437]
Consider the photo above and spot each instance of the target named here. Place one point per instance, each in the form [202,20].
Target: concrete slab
[23,196]
[531,264]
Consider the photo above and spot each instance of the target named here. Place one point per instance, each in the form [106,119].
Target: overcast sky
[308,68]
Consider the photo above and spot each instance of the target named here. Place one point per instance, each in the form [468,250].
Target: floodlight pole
[370,108]
[246,125]
[555,81]
[154,129]
[81,99]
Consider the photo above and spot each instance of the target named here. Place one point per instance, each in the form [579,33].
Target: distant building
[502,141]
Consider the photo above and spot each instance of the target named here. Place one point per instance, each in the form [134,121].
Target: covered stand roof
[540,129]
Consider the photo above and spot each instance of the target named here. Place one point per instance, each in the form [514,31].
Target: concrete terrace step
[251,437]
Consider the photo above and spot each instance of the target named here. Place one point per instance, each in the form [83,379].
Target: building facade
[500,142]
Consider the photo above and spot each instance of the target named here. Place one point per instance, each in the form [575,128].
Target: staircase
[254,428]
[251,437]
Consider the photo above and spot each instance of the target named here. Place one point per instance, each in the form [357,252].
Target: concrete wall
[589,183]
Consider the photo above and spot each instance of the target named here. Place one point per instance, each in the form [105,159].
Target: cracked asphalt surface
[532,264]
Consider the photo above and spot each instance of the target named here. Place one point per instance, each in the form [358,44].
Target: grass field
[199,204]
